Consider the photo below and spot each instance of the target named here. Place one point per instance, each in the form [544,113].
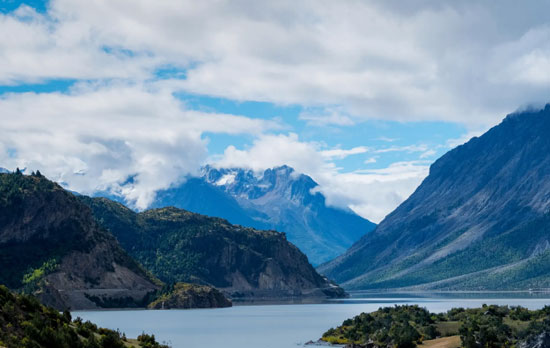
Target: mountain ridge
[180,246]
[485,192]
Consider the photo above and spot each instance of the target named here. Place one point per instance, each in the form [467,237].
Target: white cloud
[275,150]
[468,61]
[428,153]
[342,153]
[370,160]
[375,193]
[386,139]
[329,116]
[406,148]
[96,138]
[35,47]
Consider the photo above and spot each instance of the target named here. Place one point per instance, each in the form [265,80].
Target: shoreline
[355,298]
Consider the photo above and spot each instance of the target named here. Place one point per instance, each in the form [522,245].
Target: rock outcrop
[185,296]
[541,340]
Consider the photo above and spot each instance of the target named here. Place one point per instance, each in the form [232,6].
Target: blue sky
[7,6]
[94,93]
[375,134]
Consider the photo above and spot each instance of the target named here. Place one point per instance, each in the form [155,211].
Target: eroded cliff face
[51,245]
[479,221]
[180,246]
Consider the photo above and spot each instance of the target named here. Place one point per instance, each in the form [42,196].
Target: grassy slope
[493,255]
[443,342]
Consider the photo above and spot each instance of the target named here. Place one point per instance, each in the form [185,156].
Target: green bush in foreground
[25,323]
[406,326]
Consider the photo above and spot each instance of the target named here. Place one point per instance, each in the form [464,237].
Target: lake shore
[274,325]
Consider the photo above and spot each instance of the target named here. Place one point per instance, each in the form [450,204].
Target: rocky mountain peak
[281,181]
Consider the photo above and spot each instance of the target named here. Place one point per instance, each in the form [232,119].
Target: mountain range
[479,221]
[60,247]
[275,199]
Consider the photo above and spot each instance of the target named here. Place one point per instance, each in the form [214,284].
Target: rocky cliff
[185,295]
[478,221]
[180,246]
[51,245]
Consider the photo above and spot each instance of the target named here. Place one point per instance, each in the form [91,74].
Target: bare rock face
[184,296]
[180,246]
[51,245]
[479,221]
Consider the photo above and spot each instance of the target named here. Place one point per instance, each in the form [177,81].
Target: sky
[133,96]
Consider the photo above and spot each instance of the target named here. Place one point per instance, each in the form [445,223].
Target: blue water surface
[280,325]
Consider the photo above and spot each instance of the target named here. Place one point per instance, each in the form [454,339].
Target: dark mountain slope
[51,245]
[180,246]
[278,199]
[483,208]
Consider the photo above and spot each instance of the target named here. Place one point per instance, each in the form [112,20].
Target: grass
[448,328]
[443,342]
[132,343]
[517,325]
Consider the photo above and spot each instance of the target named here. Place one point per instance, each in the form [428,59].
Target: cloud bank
[126,139]
[121,128]
[465,61]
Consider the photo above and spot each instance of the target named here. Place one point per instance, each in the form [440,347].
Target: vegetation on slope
[180,246]
[25,323]
[526,262]
[408,326]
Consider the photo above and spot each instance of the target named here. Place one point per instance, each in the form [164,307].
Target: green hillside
[180,246]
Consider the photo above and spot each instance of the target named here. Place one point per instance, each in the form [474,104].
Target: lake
[281,325]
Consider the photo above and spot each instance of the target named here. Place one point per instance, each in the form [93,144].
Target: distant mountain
[479,221]
[51,245]
[279,199]
[180,246]
[3,170]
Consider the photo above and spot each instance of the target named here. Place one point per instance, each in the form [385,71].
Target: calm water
[281,325]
